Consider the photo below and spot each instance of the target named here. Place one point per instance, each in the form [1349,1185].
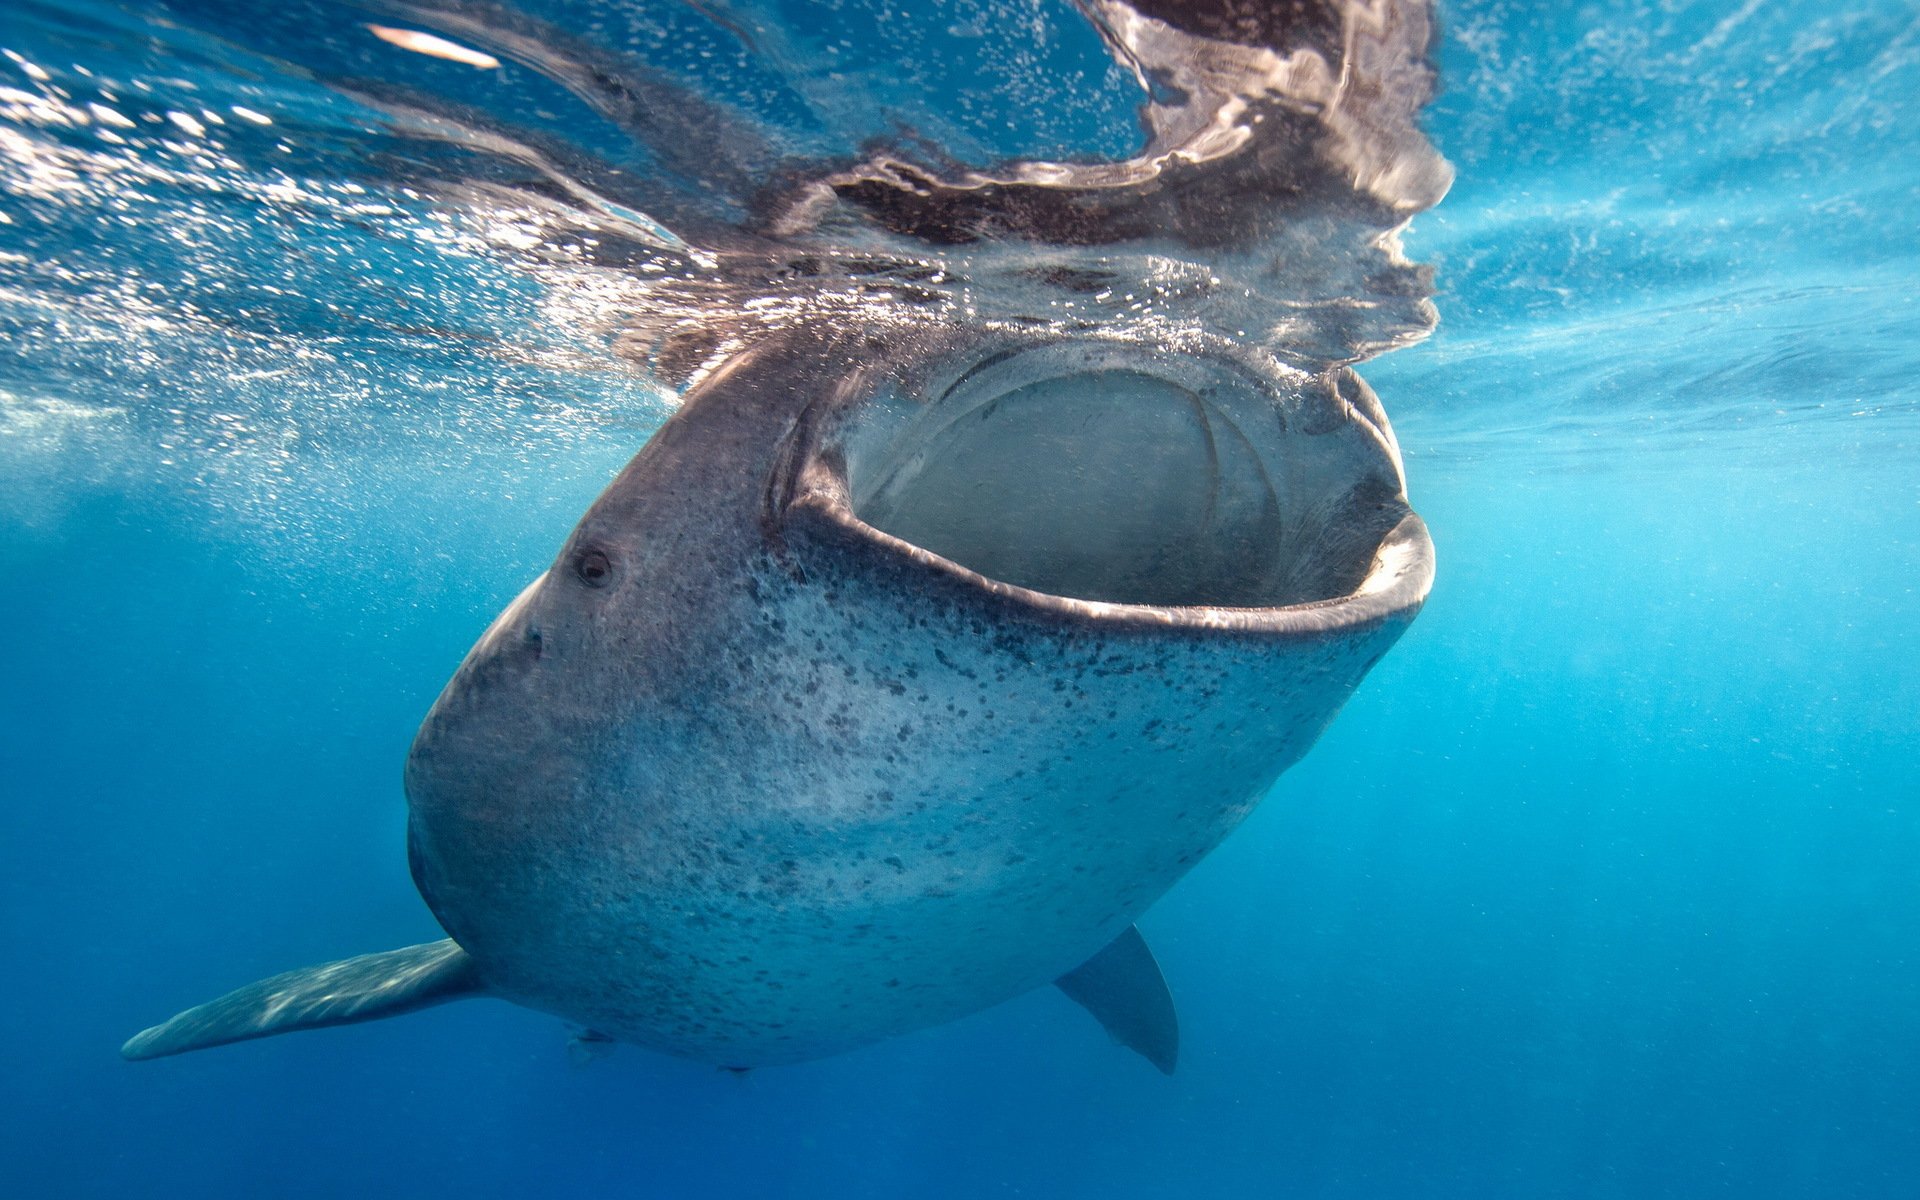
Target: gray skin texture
[778,784]
[745,778]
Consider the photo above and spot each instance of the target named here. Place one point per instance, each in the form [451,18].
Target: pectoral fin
[1123,988]
[338,993]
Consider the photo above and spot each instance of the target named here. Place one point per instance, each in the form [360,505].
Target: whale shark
[889,681]
[937,634]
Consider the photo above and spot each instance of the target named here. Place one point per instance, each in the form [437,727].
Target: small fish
[588,1046]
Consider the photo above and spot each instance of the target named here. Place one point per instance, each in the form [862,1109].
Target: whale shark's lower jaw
[1105,480]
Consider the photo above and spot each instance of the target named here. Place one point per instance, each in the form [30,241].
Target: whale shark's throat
[1118,475]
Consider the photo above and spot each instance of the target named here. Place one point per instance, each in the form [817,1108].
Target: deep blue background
[1607,884]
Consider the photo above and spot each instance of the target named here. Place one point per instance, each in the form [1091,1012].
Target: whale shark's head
[1110,480]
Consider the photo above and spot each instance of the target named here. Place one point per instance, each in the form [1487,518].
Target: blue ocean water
[1604,885]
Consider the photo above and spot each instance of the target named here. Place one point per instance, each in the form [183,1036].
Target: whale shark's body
[893,678]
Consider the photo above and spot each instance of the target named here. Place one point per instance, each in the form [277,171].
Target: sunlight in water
[437,47]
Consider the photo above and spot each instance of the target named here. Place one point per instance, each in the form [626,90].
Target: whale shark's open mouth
[1103,472]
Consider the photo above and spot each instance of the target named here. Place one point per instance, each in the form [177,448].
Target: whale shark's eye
[592,568]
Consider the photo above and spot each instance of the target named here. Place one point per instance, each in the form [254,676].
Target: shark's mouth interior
[1121,477]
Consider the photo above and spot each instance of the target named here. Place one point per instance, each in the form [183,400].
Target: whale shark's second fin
[1123,988]
[337,993]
